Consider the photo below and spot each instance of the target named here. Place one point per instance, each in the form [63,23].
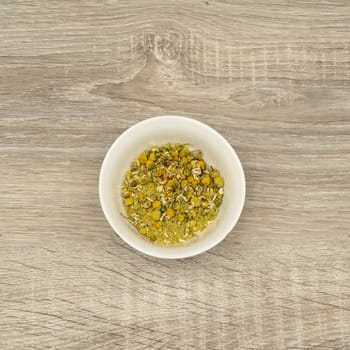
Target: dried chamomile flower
[170,194]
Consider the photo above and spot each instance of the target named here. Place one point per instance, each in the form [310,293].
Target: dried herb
[170,194]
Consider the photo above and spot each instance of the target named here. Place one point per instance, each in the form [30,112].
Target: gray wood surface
[272,76]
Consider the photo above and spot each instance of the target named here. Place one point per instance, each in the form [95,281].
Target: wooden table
[272,76]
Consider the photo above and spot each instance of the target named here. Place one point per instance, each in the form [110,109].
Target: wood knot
[166,48]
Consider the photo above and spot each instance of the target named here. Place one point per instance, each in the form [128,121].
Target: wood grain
[272,76]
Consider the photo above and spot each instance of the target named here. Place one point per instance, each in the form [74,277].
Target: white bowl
[172,129]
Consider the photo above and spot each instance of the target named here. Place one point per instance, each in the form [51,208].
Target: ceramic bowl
[172,129]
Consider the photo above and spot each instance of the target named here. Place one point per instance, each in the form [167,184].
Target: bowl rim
[115,145]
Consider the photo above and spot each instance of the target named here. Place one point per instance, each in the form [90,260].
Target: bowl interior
[171,129]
